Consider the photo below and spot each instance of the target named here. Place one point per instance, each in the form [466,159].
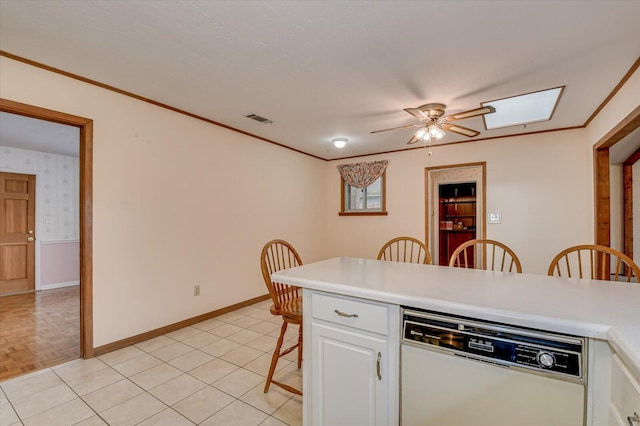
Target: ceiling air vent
[259,119]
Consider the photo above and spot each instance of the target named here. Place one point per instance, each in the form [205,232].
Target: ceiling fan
[434,122]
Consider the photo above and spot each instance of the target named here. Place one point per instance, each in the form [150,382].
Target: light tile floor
[210,373]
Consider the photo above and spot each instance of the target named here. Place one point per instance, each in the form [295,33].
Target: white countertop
[597,309]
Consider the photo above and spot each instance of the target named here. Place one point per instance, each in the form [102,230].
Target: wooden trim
[141,98]
[633,158]
[109,347]
[627,202]
[615,90]
[362,213]
[602,202]
[147,100]
[86,237]
[458,142]
[627,125]
[383,212]
[603,197]
[86,208]
[342,205]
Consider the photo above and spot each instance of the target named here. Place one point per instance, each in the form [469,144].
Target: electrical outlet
[495,217]
[196,290]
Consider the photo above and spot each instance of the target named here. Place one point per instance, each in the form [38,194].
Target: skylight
[522,109]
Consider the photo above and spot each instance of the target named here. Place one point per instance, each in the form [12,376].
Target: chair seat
[291,310]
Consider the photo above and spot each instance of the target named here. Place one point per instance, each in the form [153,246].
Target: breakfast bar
[353,303]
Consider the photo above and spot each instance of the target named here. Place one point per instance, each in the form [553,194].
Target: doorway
[84,212]
[602,183]
[455,212]
[456,218]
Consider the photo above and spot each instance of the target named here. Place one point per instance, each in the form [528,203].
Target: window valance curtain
[361,175]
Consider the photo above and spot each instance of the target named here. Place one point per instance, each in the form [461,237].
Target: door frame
[431,230]
[86,208]
[602,178]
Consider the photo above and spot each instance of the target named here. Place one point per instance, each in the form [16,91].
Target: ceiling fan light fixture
[423,134]
[339,142]
[436,132]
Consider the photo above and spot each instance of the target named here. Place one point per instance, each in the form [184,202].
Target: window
[522,109]
[362,188]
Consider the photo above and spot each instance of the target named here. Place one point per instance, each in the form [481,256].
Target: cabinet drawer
[351,312]
[625,391]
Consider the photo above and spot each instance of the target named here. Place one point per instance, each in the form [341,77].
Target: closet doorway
[455,212]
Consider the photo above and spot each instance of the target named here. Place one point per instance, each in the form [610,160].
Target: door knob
[30,239]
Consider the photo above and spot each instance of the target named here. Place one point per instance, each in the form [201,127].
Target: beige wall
[542,184]
[624,102]
[539,183]
[177,203]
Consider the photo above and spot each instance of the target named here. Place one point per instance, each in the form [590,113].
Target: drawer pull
[342,314]
[633,420]
[378,367]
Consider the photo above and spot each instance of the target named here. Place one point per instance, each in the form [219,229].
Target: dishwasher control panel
[494,342]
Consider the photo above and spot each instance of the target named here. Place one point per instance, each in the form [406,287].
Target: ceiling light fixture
[340,142]
[431,131]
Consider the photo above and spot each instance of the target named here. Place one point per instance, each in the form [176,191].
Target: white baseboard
[59,285]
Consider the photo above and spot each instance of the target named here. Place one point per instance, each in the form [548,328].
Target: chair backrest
[277,255]
[485,254]
[594,261]
[405,249]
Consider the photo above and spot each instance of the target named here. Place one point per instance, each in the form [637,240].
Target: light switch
[495,217]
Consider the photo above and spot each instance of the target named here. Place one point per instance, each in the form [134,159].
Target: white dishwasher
[460,371]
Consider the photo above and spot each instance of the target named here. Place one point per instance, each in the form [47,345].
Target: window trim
[382,212]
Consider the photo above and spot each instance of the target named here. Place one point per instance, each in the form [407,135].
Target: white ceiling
[21,132]
[321,70]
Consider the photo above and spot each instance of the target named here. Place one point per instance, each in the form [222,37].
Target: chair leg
[300,347]
[276,355]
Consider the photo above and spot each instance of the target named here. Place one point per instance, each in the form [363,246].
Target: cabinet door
[625,394]
[350,375]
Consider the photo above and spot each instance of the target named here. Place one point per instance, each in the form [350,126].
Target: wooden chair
[485,254]
[405,249]
[287,302]
[575,261]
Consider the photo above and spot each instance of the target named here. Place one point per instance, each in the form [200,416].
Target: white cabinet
[351,361]
[625,396]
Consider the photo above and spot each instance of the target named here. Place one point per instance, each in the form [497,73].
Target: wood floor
[38,330]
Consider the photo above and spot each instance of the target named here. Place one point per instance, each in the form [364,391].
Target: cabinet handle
[633,419]
[378,368]
[342,314]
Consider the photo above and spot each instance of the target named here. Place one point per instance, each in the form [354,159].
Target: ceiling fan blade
[399,127]
[417,113]
[471,113]
[412,140]
[465,131]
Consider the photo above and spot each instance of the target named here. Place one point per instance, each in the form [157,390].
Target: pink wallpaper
[59,262]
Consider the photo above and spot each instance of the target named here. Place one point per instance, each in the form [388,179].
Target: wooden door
[17,233]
